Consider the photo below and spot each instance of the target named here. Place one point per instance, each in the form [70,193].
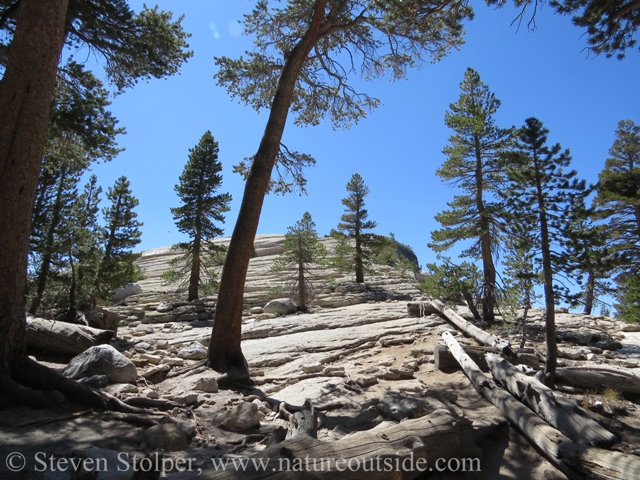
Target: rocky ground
[356,355]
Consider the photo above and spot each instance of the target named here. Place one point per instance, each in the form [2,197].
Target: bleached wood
[483,337]
[558,411]
[575,460]
[62,337]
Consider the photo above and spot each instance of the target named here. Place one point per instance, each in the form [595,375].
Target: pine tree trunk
[194,279]
[549,296]
[25,100]
[359,263]
[589,293]
[45,265]
[471,304]
[225,352]
[489,269]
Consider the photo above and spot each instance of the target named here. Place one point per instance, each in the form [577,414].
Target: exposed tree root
[29,381]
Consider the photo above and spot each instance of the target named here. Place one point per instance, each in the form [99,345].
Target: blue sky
[546,73]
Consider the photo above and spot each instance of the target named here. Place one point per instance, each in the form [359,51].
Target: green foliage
[181,267]
[447,281]
[198,216]
[135,46]
[354,249]
[611,24]
[289,171]
[474,164]
[388,251]
[628,308]
[546,201]
[302,249]
[618,197]
[120,234]
[372,38]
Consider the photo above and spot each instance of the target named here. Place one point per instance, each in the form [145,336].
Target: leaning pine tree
[302,249]
[200,208]
[544,198]
[354,226]
[475,165]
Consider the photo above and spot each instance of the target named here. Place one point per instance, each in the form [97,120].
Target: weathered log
[62,337]
[473,331]
[599,377]
[304,423]
[380,452]
[446,362]
[560,412]
[575,460]
[421,309]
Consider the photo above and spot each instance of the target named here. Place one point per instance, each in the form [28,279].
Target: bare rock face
[124,292]
[102,360]
[167,436]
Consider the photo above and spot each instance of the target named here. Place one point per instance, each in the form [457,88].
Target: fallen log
[483,337]
[598,377]
[400,450]
[446,362]
[575,460]
[421,309]
[560,412]
[62,337]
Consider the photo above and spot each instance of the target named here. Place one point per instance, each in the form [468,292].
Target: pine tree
[57,191]
[357,242]
[448,280]
[200,208]
[83,247]
[545,200]
[296,66]
[628,308]
[302,249]
[120,234]
[476,166]
[618,197]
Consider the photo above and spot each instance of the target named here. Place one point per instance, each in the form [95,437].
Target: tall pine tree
[475,165]
[302,249]
[355,226]
[201,209]
[545,199]
[120,234]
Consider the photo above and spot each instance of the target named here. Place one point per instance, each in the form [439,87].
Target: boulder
[102,360]
[166,436]
[206,384]
[193,351]
[123,292]
[242,417]
[281,306]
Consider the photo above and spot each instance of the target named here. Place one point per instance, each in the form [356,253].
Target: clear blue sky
[397,149]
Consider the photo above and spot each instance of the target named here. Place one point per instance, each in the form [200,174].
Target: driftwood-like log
[575,460]
[558,411]
[446,362]
[304,423]
[62,337]
[598,377]
[421,309]
[376,454]
[483,337]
